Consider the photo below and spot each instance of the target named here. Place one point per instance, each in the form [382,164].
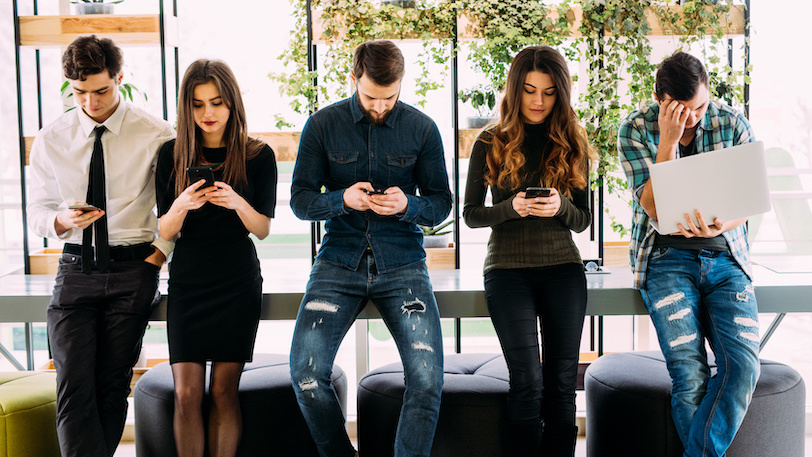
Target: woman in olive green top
[533,271]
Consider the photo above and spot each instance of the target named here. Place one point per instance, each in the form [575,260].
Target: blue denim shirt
[340,147]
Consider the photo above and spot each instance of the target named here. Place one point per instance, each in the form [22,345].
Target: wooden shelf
[286,144]
[45,31]
[467,30]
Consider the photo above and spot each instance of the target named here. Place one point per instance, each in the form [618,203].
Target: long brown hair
[567,165]
[189,144]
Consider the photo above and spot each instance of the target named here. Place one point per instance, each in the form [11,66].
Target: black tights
[517,300]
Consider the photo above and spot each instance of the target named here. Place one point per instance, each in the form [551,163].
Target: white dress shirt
[60,163]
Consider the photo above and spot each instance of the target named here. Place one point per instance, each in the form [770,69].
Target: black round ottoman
[272,422]
[628,405]
[472,408]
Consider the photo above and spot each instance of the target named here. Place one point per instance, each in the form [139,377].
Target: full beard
[376,121]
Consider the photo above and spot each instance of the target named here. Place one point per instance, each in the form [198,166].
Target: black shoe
[558,440]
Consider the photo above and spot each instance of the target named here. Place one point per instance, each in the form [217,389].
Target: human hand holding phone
[84,207]
[202,172]
[79,215]
[541,201]
[533,192]
[196,195]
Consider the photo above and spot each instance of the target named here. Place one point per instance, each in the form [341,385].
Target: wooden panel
[734,26]
[440,258]
[45,261]
[284,144]
[42,31]
[616,254]
[467,138]
[29,140]
[467,30]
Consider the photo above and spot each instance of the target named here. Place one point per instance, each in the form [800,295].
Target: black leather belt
[120,253]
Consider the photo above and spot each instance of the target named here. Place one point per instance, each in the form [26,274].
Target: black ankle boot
[558,440]
[522,438]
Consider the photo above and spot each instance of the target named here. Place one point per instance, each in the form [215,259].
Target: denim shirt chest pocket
[343,167]
[400,169]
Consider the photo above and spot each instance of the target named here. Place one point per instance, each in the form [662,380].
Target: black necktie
[96,197]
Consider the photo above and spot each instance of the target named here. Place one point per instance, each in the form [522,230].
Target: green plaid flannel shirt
[638,137]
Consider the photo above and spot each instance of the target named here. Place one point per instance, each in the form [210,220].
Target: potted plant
[95,6]
[436,237]
[128,92]
[483,99]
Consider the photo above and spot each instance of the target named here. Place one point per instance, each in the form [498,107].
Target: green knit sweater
[518,242]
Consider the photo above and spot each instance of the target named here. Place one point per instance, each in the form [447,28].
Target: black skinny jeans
[517,300]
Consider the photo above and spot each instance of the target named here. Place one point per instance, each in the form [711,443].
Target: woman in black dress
[215,285]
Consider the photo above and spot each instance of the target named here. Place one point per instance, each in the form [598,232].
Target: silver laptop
[728,183]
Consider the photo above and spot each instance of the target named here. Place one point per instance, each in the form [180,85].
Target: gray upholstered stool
[628,398]
[472,408]
[272,421]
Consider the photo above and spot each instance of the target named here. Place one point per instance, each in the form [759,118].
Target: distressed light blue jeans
[405,300]
[692,296]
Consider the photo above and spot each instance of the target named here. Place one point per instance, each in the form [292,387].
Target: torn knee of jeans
[421,346]
[413,306]
[745,295]
[322,306]
[669,300]
[748,328]
[684,339]
[679,314]
[308,384]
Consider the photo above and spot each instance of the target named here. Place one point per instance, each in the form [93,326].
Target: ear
[654,96]
[119,77]
[352,77]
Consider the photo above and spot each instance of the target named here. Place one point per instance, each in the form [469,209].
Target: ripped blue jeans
[405,300]
[692,296]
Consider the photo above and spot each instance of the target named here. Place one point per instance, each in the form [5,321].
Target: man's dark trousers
[96,322]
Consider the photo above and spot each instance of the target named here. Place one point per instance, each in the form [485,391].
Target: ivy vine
[612,43]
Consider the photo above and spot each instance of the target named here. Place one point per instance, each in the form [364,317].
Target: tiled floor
[128,449]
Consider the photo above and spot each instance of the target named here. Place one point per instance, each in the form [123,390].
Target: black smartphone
[84,208]
[197,173]
[533,192]
[375,192]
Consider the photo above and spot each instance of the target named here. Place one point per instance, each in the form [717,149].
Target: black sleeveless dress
[215,284]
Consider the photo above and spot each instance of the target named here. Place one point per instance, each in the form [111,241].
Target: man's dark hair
[88,55]
[680,76]
[380,60]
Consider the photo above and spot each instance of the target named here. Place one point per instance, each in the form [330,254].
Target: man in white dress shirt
[104,291]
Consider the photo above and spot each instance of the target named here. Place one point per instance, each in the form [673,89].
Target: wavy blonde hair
[567,165]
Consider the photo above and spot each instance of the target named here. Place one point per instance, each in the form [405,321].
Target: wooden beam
[469,30]
[286,144]
[45,31]
[29,140]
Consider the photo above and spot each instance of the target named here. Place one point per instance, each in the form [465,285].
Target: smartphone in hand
[203,172]
[375,192]
[533,192]
[84,208]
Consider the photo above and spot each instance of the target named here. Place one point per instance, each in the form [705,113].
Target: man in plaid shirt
[696,283]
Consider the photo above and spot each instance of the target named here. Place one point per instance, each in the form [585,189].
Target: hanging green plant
[128,92]
[506,27]
[347,23]
[611,43]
